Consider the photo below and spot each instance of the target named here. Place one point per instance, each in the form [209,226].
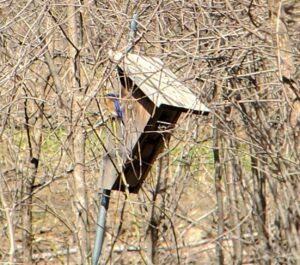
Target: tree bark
[80,201]
[219,193]
[34,141]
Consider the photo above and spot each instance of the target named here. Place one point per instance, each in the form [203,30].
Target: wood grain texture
[158,83]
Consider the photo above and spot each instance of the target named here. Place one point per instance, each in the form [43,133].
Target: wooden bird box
[154,100]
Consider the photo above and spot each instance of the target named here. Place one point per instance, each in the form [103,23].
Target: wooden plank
[149,146]
[113,147]
[159,83]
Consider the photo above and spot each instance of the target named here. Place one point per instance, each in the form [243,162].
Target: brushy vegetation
[225,190]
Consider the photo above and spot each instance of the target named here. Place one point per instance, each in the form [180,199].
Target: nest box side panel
[113,150]
[137,111]
[136,119]
[149,145]
[136,115]
[132,91]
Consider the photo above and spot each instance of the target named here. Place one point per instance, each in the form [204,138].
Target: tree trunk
[80,202]
[219,193]
[34,140]
[232,179]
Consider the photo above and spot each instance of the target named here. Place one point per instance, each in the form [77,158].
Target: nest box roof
[158,83]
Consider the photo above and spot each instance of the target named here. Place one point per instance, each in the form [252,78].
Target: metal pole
[133,28]
[104,202]
[104,198]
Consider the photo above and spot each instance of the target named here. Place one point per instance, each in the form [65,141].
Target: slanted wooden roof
[158,83]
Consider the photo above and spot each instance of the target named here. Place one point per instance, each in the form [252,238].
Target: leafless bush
[226,188]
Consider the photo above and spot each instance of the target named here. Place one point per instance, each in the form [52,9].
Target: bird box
[153,100]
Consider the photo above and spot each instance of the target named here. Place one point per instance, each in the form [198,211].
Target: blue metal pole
[133,28]
[104,202]
[104,198]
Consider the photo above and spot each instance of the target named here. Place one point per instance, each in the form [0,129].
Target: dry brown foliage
[226,189]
